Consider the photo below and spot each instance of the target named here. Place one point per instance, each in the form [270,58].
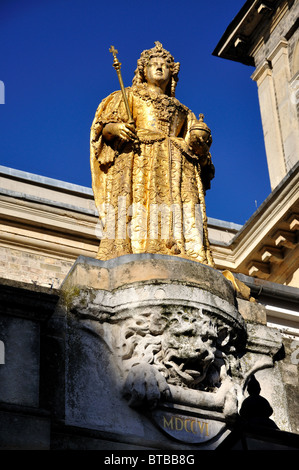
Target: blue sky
[56,67]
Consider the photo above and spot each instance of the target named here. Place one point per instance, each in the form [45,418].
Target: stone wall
[33,268]
[24,423]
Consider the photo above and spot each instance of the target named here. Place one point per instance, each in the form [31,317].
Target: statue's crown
[157,50]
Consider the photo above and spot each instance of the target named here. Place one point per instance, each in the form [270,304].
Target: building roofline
[79,191]
[231,30]
[45,181]
[267,202]
[236,41]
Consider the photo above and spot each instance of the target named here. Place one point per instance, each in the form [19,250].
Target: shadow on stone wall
[255,409]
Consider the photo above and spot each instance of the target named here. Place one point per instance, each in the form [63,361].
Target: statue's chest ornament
[165,109]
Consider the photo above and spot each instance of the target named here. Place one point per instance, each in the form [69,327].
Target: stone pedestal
[156,354]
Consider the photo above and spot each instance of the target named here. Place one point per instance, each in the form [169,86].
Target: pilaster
[263,76]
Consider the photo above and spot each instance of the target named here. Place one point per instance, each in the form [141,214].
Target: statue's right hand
[120,130]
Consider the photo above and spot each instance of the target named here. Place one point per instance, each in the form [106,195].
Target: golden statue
[151,166]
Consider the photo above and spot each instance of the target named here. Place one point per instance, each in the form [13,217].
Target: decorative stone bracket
[179,351]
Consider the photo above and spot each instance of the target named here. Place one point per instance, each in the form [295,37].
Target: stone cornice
[244,33]
[249,243]
[261,72]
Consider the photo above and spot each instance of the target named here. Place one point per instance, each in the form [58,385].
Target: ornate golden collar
[160,101]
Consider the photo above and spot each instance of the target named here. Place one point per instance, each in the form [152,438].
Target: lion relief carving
[170,346]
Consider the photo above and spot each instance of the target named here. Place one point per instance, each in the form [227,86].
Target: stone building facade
[265,35]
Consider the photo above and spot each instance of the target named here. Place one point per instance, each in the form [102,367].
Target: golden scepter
[117,66]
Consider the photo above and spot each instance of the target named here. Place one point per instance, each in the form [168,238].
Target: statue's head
[148,55]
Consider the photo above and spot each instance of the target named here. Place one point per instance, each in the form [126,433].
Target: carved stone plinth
[157,351]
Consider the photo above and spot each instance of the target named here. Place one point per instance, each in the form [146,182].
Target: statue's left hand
[145,386]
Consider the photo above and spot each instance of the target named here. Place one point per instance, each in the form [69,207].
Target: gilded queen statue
[150,173]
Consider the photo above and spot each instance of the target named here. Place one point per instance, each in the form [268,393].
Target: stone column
[285,107]
[278,112]
[270,121]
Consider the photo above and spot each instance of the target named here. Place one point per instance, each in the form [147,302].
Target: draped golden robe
[149,194]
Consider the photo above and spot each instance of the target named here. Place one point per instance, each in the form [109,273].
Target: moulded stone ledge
[143,268]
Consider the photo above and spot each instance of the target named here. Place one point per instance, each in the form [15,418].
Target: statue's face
[157,72]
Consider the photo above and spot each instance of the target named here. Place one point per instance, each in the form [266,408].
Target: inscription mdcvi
[189,429]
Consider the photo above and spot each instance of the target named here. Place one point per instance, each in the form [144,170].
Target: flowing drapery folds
[150,193]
